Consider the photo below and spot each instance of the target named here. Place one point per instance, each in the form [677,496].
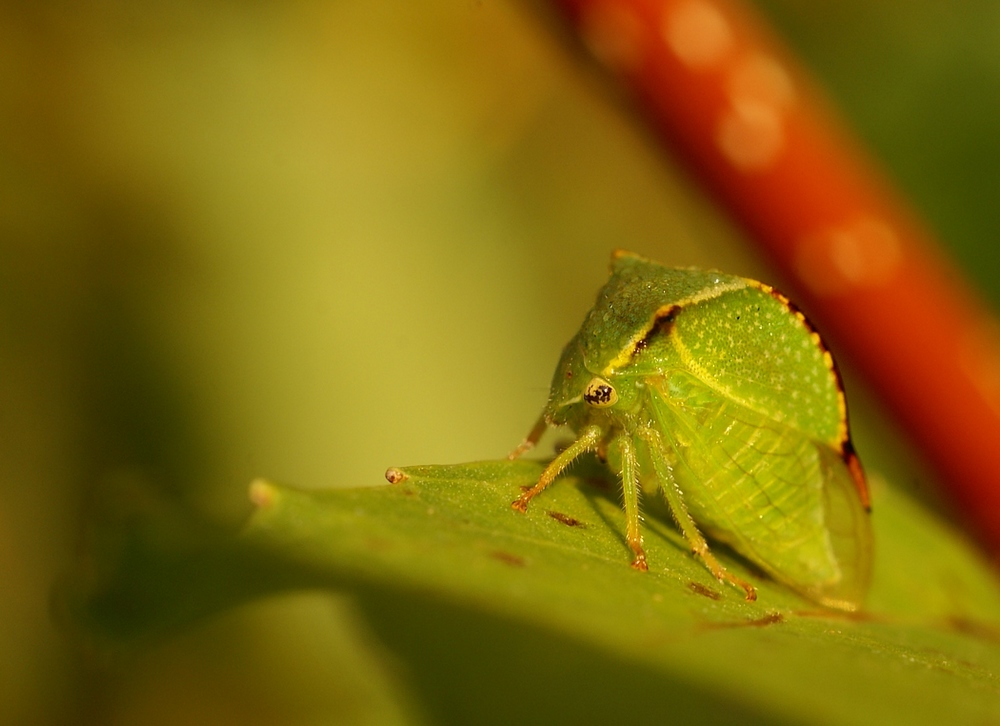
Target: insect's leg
[602,451]
[587,440]
[630,487]
[531,439]
[688,527]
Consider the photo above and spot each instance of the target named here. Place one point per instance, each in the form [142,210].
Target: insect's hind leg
[680,513]
[630,489]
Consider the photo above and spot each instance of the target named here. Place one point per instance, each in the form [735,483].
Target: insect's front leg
[588,440]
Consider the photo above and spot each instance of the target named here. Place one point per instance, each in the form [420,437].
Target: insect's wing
[850,531]
[777,496]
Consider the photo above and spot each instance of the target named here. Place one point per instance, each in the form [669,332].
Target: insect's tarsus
[722,574]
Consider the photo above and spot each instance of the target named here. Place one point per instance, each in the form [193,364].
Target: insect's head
[575,389]
[577,392]
[623,338]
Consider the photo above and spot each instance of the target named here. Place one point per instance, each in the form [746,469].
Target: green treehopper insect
[717,391]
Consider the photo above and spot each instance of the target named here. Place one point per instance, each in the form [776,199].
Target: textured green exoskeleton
[716,390]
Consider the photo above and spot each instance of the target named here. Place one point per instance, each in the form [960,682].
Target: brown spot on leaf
[859,616]
[769,619]
[395,476]
[700,589]
[508,558]
[761,622]
[566,519]
[378,544]
[975,628]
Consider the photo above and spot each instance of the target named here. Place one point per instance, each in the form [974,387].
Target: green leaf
[502,616]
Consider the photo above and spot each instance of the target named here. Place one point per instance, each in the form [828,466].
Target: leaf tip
[262,493]
[395,476]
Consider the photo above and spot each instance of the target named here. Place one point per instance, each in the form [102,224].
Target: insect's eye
[600,393]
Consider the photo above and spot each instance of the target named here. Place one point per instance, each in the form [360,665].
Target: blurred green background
[311,240]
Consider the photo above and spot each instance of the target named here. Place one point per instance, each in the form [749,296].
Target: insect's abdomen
[748,482]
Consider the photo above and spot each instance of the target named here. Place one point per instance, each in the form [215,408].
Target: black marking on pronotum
[662,324]
[857,471]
